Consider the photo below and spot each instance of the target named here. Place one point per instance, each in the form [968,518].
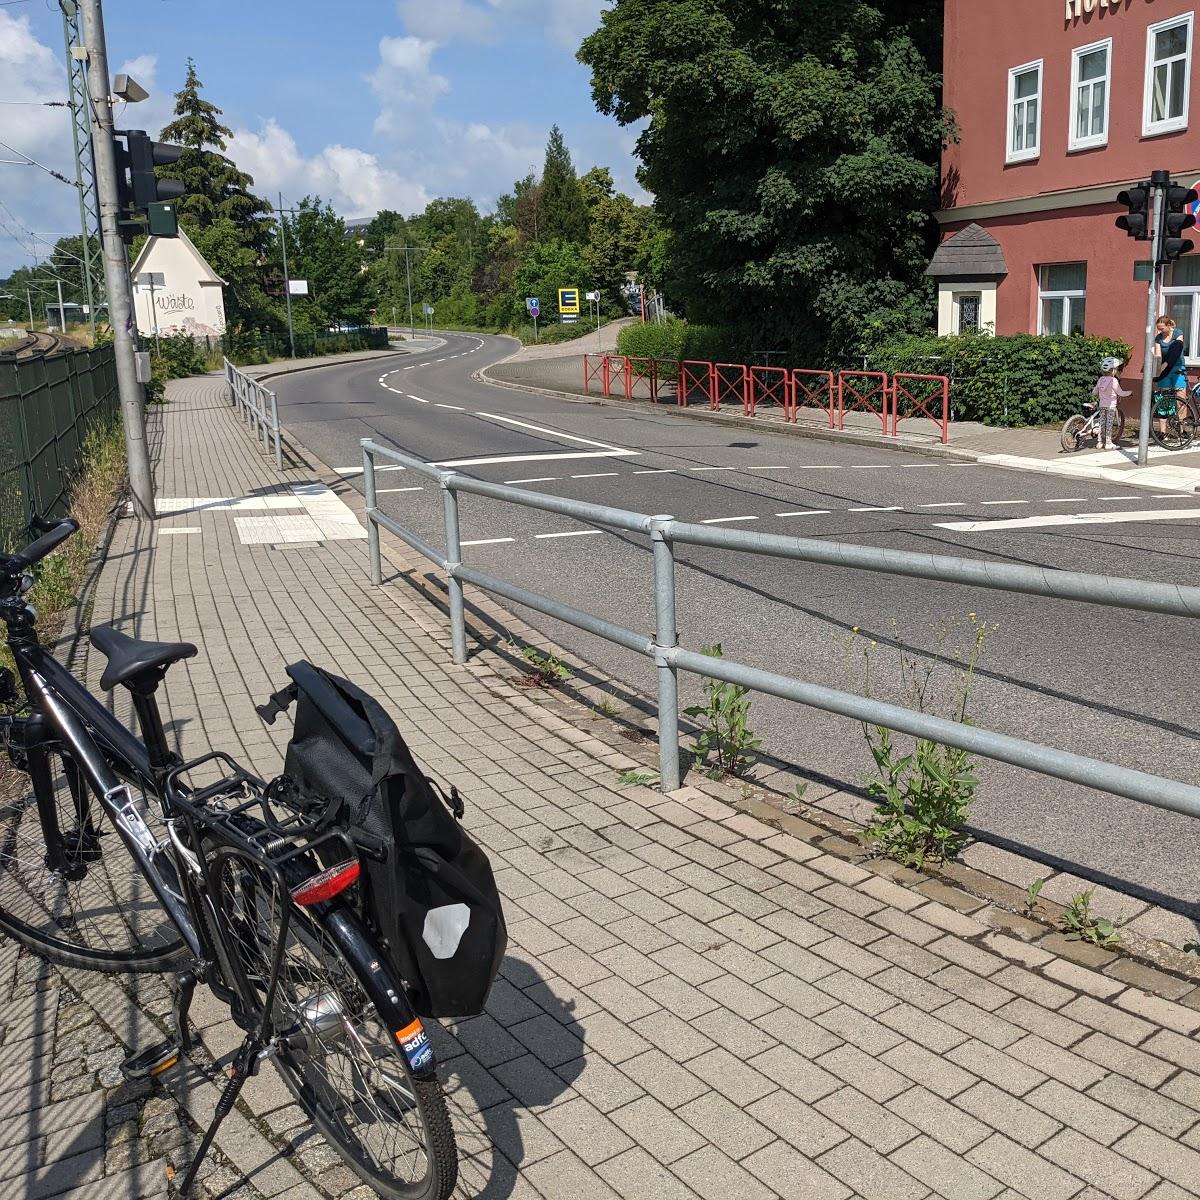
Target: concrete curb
[334,361]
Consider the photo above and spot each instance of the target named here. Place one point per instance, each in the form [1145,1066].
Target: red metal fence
[829,394]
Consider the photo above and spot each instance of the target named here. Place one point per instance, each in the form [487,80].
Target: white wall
[948,298]
[187,302]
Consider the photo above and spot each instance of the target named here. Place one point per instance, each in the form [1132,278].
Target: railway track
[34,345]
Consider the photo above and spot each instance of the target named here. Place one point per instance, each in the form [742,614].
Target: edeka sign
[1080,8]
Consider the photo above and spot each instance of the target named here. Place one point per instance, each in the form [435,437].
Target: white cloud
[566,22]
[446,20]
[352,180]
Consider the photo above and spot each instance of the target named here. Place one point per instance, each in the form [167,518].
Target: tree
[544,269]
[320,252]
[563,214]
[792,150]
[618,226]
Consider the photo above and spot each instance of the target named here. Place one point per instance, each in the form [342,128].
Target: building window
[1168,75]
[1024,112]
[1181,301]
[1062,296]
[1090,67]
[969,305]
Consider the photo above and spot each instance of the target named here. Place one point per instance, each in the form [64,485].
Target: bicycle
[1081,427]
[124,861]
[1173,425]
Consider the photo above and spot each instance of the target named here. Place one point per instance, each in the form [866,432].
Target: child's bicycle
[1085,427]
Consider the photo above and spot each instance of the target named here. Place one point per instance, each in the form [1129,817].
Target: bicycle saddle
[128,657]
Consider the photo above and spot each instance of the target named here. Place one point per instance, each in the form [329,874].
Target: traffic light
[1136,222]
[1179,215]
[147,202]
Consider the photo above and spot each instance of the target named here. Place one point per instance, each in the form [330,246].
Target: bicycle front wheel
[336,1053]
[1069,437]
[97,914]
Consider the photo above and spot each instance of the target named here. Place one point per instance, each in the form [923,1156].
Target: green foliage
[563,215]
[726,735]
[1032,892]
[319,251]
[181,356]
[548,670]
[544,269]
[1081,925]
[1018,379]
[925,794]
[675,340]
[552,334]
[637,778]
[772,132]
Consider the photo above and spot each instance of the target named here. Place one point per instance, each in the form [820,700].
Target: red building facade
[1061,104]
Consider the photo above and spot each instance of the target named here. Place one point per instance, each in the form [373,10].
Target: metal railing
[259,408]
[665,532]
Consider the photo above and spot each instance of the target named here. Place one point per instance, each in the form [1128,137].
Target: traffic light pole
[116,264]
[1157,185]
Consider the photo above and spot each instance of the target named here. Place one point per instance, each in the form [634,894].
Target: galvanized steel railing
[665,532]
[259,408]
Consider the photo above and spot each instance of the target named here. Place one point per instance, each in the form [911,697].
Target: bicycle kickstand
[245,1063]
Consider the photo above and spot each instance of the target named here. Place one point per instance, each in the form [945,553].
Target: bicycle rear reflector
[327,884]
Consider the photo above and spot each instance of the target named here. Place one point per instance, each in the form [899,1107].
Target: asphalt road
[1116,684]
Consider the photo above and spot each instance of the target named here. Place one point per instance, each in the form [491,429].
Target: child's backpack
[427,888]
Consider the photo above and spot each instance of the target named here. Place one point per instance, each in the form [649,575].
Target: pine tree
[216,189]
[563,212]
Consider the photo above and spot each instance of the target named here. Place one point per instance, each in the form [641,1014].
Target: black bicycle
[1174,422]
[120,857]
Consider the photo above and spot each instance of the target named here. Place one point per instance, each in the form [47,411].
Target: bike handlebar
[54,533]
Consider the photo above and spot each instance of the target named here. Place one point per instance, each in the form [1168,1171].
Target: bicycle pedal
[151,1063]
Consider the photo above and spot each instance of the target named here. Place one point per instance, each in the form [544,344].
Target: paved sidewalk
[695,1002]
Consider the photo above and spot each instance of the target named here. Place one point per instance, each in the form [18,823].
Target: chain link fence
[48,406]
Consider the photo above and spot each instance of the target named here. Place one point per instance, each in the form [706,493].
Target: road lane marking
[658,471]
[806,512]
[889,508]
[571,533]
[454,407]
[714,468]
[566,437]
[1068,500]
[944,504]
[726,520]
[818,467]
[598,475]
[348,472]
[487,542]
[1131,499]
[417,399]
[1175,496]
[1104,518]
[988,502]
[535,479]
[768,468]
[516,458]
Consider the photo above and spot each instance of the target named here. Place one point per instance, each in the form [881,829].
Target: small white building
[191,298]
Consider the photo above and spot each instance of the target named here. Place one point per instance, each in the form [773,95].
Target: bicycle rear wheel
[1069,438]
[99,914]
[336,1054]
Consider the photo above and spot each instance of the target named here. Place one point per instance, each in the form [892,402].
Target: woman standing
[1170,348]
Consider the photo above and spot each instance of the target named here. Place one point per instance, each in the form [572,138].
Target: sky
[371,104]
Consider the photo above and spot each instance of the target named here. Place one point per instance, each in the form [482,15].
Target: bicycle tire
[54,925]
[1118,429]
[1179,432]
[322,993]
[1069,438]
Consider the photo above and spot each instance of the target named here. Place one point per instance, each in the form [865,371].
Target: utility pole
[1159,181]
[116,263]
[287,283]
[412,327]
[29,301]
[62,319]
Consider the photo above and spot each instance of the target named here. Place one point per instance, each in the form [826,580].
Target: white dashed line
[806,512]
[487,542]
[991,502]
[668,471]
[1174,496]
[535,479]
[1104,518]
[597,475]
[713,468]
[726,520]
[890,508]
[944,504]
[1130,498]
[417,399]
[768,468]
[570,533]
[1068,500]
[390,491]
[453,407]
[870,466]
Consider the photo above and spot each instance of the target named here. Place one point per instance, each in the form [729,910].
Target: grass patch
[57,578]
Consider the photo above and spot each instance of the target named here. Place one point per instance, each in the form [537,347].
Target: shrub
[675,340]
[181,356]
[1017,379]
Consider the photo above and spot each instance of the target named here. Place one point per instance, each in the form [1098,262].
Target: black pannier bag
[428,888]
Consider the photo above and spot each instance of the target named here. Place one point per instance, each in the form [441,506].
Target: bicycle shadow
[494,1108]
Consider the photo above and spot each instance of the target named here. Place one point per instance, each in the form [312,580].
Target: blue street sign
[534,305]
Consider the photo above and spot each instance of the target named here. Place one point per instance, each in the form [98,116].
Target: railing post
[275,427]
[458,625]
[372,526]
[665,638]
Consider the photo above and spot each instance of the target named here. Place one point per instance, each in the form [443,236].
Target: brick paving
[695,1002]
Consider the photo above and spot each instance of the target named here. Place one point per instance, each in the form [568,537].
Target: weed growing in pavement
[1032,892]
[794,800]
[925,794]
[725,736]
[547,669]
[633,778]
[1080,925]
[607,707]
[1191,947]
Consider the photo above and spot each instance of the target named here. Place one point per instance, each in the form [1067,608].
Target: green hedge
[1018,379]
[674,340]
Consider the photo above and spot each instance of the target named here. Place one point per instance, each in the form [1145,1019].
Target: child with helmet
[1106,391]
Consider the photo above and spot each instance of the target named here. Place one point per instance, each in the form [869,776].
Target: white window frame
[1074,142]
[1191,335]
[1027,153]
[1151,128]
[1065,295]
